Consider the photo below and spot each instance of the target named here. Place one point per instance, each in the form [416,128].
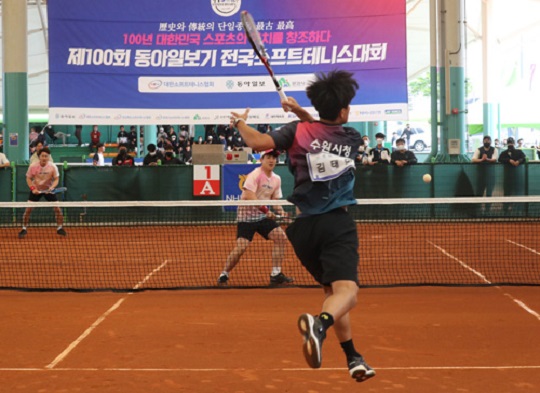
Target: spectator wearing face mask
[512,156]
[153,156]
[361,152]
[123,158]
[514,176]
[402,156]
[379,154]
[170,159]
[485,156]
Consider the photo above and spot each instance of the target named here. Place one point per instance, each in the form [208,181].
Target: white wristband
[237,120]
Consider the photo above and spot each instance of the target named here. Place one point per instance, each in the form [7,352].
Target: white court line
[517,301]
[293,369]
[460,262]
[98,321]
[525,247]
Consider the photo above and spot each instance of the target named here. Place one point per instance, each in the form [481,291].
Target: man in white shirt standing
[99,158]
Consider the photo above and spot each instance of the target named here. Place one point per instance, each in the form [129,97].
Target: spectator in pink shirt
[260,184]
[42,178]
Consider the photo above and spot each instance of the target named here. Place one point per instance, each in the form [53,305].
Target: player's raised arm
[251,136]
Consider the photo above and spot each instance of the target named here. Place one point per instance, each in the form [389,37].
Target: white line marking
[74,344]
[157,269]
[461,262]
[517,301]
[294,369]
[524,306]
[98,321]
[525,247]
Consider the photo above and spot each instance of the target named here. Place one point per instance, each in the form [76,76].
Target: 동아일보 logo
[226,7]
[155,84]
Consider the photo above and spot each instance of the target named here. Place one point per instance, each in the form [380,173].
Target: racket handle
[282,95]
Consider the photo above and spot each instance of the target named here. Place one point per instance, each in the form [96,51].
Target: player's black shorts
[327,245]
[247,230]
[36,197]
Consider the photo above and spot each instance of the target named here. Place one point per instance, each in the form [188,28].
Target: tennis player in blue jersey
[324,235]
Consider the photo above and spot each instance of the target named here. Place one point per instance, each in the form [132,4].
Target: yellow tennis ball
[426,178]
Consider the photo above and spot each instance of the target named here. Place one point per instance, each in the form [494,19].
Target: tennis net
[130,246]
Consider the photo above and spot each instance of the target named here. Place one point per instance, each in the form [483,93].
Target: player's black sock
[348,348]
[326,319]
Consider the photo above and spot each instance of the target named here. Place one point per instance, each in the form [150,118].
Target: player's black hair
[332,92]
[44,150]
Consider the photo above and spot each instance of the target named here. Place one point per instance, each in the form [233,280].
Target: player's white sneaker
[312,329]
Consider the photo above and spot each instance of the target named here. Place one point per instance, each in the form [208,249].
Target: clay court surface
[419,339]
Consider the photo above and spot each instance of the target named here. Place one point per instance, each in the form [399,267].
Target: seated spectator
[122,137]
[153,155]
[402,156]
[184,132]
[33,136]
[42,138]
[199,141]
[379,154]
[35,153]
[95,137]
[123,158]
[99,158]
[187,159]
[174,141]
[520,143]
[238,142]
[170,159]
[209,130]
[4,162]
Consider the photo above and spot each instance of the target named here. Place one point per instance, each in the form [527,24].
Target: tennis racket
[54,190]
[255,40]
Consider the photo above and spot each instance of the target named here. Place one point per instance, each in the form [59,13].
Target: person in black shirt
[132,138]
[406,134]
[402,156]
[123,158]
[514,177]
[512,156]
[122,137]
[153,156]
[485,156]
[379,154]
[170,159]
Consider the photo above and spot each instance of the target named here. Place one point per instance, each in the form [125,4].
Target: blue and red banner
[188,62]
